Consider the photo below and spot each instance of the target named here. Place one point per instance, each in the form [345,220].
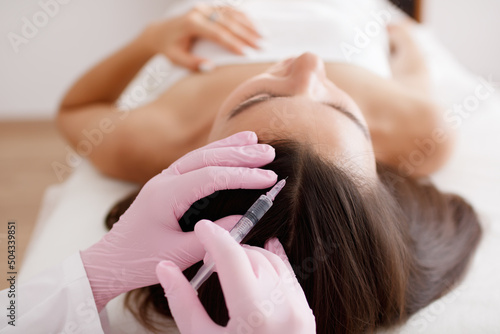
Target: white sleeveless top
[350,31]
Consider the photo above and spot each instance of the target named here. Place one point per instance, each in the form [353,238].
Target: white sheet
[73,212]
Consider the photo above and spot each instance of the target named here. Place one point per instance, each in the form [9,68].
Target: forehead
[300,119]
[326,130]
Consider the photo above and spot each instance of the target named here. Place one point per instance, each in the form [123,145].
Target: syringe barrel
[202,275]
[241,229]
[250,218]
[260,207]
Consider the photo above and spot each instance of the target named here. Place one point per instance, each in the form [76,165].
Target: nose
[307,75]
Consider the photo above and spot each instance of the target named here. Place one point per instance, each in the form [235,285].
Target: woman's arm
[131,145]
[137,144]
[407,63]
[430,140]
[94,126]
[173,38]
[409,131]
[407,126]
[105,81]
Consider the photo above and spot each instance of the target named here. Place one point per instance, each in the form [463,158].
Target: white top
[336,30]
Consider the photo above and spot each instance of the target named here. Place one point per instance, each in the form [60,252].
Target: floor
[27,150]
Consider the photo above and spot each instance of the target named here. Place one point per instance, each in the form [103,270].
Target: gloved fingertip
[267,148]
[166,267]
[202,226]
[257,150]
[166,271]
[205,230]
[272,174]
[249,137]
[268,174]
[260,154]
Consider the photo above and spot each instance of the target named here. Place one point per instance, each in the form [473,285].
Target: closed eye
[245,105]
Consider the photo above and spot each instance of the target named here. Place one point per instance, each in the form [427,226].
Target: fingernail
[261,31]
[247,50]
[260,148]
[163,271]
[206,66]
[205,224]
[265,148]
[261,43]
[201,228]
[256,44]
[271,174]
[249,135]
[209,228]
[252,136]
[168,264]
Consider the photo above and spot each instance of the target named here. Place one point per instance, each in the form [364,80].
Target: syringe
[242,228]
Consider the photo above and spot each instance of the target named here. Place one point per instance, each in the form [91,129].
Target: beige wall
[71,36]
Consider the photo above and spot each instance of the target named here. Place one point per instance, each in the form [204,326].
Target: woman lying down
[371,241]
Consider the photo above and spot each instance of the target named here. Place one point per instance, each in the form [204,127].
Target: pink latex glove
[148,232]
[261,291]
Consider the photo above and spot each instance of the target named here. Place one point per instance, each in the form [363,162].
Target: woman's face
[294,99]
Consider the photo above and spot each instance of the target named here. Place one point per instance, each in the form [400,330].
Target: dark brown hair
[366,255]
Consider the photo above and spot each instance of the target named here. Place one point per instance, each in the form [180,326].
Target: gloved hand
[148,232]
[261,291]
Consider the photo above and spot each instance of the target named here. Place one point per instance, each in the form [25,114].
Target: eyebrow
[254,101]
